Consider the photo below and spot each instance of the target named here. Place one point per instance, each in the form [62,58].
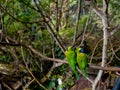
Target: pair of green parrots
[77,57]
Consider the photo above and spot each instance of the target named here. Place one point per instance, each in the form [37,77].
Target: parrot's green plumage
[82,60]
[71,58]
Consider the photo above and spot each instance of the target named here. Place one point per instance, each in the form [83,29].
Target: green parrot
[82,60]
[71,58]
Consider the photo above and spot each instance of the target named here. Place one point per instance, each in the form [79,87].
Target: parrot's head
[70,47]
[80,50]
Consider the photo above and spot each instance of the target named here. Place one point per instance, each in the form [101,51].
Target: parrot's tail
[77,75]
[85,74]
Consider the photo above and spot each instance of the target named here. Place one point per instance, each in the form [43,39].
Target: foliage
[29,24]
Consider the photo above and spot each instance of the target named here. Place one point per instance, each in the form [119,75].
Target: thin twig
[31,72]
[94,50]
[2,24]
[57,19]
[45,57]
[5,85]
[77,20]
[27,85]
[91,81]
[50,29]
[114,51]
[18,20]
[84,31]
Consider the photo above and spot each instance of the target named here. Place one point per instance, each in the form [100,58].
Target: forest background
[34,35]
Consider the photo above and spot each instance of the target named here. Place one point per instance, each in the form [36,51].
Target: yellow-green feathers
[82,60]
[71,58]
[78,57]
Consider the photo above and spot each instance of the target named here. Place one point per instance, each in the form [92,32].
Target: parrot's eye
[82,50]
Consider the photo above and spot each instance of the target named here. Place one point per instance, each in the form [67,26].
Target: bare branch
[104,17]
[45,57]
[54,35]
[19,19]
[105,6]
[94,8]
[57,18]
[84,31]
[77,20]
[31,72]
[114,30]
[104,68]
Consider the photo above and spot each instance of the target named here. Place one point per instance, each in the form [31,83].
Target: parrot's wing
[85,64]
[71,58]
[82,61]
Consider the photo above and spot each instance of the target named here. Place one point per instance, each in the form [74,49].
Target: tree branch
[104,68]
[104,16]
[59,60]
[19,19]
[77,20]
[45,57]
[54,35]
[94,8]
